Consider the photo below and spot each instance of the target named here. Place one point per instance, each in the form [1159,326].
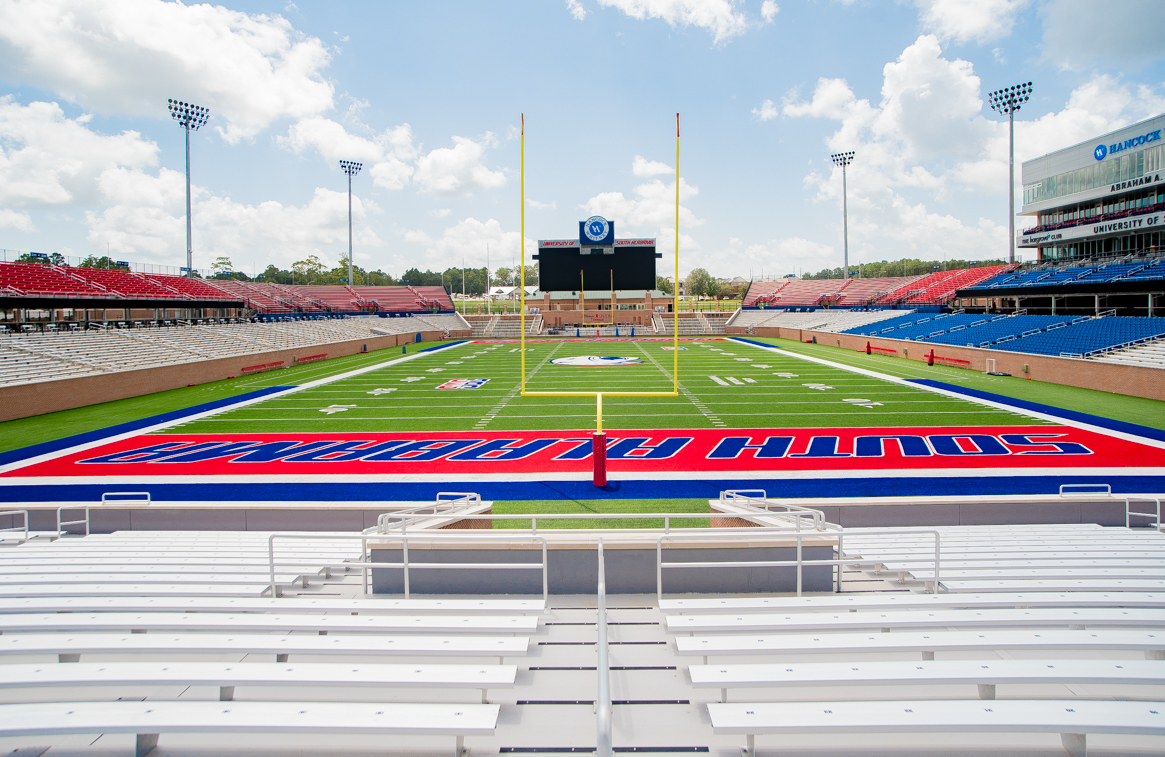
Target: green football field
[722,385]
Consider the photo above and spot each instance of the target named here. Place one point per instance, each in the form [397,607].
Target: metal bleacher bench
[134,590]
[1072,719]
[1152,643]
[887,601]
[985,674]
[229,675]
[265,604]
[257,622]
[147,720]
[924,618]
[70,647]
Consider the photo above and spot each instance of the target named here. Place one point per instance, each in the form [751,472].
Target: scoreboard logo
[596,230]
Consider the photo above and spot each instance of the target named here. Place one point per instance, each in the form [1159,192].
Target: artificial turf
[553,507]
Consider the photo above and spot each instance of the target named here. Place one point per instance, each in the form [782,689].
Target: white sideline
[906,619]
[229,675]
[288,605]
[986,674]
[256,622]
[884,601]
[1150,642]
[70,646]
[149,719]
[1071,718]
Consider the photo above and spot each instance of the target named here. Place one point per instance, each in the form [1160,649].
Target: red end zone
[533,452]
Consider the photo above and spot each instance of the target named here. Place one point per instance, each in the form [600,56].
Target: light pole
[1008,100]
[843,159]
[189,117]
[351,169]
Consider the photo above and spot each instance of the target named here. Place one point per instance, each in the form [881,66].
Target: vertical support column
[1096,300]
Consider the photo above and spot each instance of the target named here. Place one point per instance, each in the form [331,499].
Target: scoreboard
[567,265]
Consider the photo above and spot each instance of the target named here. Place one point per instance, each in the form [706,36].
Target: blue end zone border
[584,490]
[1059,412]
[56,445]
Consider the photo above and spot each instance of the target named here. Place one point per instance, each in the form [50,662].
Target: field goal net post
[599,446]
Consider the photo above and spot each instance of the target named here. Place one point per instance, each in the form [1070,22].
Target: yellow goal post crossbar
[675,392]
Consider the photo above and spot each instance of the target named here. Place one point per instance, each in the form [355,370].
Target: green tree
[102,262]
[663,284]
[700,283]
[503,277]
[307,270]
[275,275]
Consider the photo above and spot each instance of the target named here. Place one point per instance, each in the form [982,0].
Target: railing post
[405,561]
[799,565]
[271,562]
[603,701]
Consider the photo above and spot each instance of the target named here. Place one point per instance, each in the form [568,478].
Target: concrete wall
[50,396]
[1135,380]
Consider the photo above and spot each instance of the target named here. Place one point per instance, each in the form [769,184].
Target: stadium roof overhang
[8,302]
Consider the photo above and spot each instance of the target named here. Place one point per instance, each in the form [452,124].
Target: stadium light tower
[843,159]
[1007,101]
[350,168]
[189,117]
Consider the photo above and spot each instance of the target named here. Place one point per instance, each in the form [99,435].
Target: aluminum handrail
[800,562]
[365,565]
[384,521]
[62,524]
[16,529]
[1130,513]
[794,512]
[603,700]
[666,517]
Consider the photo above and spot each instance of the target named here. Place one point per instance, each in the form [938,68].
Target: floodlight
[843,159]
[351,168]
[190,117]
[1007,101]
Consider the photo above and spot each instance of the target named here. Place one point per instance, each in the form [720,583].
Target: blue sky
[428,96]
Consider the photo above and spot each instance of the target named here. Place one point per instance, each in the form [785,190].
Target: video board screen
[567,269]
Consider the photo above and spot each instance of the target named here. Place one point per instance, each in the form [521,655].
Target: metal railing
[1155,516]
[791,513]
[800,562]
[62,525]
[22,529]
[603,700]
[441,506]
[365,564]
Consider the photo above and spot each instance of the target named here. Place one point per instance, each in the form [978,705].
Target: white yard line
[713,419]
[976,400]
[493,411]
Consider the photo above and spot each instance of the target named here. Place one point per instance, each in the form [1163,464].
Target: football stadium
[844,515]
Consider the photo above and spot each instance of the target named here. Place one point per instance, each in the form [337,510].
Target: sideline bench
[261,368]
[229,675]
[904,619]
[884,601]
[300,604]
[985,674]
[309,359]
[148,720]
[1072,719]
[954,362]
[1152,643]
[256,623]
[70,647]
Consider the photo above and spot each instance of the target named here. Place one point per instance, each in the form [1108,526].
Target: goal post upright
[599,459]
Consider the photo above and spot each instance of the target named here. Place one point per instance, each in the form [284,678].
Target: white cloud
[1077,32]
[643,167]
[129,56]
[969,20]
[576,9]
[769,10]
[145,217]
[778,257]
[440,212]
[15,220]
[720,17]
[766,112]
[541,205]
[391,152]
[466,240]
[448,171]
[48,159]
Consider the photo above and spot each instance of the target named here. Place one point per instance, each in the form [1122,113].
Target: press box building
[1100,198]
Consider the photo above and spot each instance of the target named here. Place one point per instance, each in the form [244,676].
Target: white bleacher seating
[299,604]
[257,622]
[141,589]
[856,602]
[227,676]
[70,646]
[986,675]
[1152,643]
[149,719]
[928,618]
[1072,719]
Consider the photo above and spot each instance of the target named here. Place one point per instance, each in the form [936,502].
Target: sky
[429,97]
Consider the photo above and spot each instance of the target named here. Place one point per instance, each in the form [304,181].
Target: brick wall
[50,396]
[1135,380]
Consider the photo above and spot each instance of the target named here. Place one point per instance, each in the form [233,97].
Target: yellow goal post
[598,395]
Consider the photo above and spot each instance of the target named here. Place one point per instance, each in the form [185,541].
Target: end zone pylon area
[599,438]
